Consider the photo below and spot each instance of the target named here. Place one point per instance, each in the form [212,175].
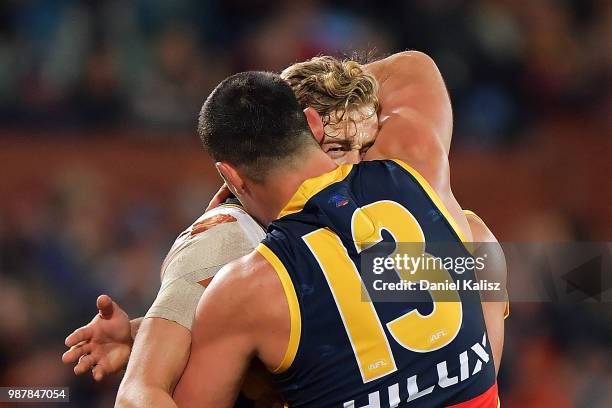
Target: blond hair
[334,88]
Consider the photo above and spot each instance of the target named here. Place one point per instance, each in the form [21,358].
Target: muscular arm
[416,122]
[411,85]
[158,358]
[161,348]
[493,311]
[253,323]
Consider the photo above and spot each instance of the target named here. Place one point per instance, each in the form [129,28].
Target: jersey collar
[312,186]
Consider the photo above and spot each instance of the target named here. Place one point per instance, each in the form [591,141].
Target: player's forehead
[357,127]
[362,113]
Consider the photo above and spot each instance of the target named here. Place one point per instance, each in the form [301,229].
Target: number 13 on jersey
[415,332]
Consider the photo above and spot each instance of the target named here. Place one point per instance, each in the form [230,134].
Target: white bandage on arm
[177,301]
[197,258]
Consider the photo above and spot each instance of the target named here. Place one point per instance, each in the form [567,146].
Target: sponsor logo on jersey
[464,365]
[339,200]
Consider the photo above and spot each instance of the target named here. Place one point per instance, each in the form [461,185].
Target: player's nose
[353,157]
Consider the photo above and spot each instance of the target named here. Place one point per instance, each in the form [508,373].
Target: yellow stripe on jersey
[435,198]
[312,186]
[294,307]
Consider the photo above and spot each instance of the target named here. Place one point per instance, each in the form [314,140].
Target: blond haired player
[347,100]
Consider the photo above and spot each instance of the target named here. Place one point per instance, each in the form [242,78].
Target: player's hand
[102,346]
[221,195]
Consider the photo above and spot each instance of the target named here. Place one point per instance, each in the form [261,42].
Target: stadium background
[100,167]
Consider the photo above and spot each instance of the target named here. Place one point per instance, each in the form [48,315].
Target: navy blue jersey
[348,349]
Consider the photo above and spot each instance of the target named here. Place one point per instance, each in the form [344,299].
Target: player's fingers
[85,363]
[76,352]
[105,306]
[102,366]
[97,372]
[219,197]
[81,334]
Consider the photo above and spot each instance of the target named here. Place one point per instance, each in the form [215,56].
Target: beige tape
[196,258]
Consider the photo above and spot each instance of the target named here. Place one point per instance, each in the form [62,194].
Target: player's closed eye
[337,151]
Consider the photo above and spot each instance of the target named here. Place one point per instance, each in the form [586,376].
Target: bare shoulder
[247,276]
[246,301]
[248,290]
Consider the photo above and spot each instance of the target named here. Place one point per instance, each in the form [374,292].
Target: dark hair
[253,120]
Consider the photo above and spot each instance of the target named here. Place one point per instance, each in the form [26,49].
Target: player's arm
[415,122]
[222,346]
[412,87]
[495,310]
[158,358]
[415,117]
[241,316]
[161,348]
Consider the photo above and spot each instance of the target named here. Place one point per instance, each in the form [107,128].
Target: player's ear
[315,123]
[231,177]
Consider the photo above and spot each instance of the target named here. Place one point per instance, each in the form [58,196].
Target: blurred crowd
[65,241]
[134,63]
[80,216]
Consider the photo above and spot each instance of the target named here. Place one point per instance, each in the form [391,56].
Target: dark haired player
[295,303]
